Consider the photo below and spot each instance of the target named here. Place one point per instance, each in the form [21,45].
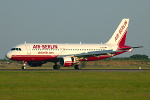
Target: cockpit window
[18,49]
[12,49]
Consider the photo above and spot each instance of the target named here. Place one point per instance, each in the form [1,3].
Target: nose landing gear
[24,65]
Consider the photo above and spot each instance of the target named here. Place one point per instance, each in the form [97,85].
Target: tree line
[133,57]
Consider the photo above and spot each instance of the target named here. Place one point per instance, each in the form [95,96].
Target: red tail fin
[123,39]
[119,36]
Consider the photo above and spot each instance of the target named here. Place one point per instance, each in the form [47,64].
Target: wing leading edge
[91,54]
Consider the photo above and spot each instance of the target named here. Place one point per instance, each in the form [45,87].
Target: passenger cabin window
[18,49]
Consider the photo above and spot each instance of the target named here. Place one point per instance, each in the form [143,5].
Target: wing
[96,53]
[91,54]
[99,53]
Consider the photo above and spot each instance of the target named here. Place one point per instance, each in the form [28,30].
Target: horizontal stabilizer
[131,48]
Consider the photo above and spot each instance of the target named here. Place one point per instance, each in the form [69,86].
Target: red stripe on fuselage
[34,57]
[53,58]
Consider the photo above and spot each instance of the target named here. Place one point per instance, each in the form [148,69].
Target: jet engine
[66,61]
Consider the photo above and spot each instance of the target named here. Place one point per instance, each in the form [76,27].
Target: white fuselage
[50,51]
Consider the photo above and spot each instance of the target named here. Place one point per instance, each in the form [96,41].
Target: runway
[80,70]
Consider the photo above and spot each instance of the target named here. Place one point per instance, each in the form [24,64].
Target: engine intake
[66,61]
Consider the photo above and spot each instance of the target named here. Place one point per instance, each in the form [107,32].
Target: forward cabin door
[62,50]
[28,50]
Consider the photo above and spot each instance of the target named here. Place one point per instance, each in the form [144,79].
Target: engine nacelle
[35,64]
[66,61]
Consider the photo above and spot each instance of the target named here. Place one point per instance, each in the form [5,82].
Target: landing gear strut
[24,65]
[56,66]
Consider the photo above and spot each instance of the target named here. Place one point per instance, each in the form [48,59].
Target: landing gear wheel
[77,67]
[56,67]
[23,67]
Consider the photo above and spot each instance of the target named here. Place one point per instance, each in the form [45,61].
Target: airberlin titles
[52,47]
[45,47]
[120,30]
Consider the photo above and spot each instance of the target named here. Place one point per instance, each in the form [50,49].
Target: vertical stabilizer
[119,36]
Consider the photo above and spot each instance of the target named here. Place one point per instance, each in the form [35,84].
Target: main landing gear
[24,65]
[77,67]
[56,66]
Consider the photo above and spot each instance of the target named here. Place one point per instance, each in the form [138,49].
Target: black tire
[77,67]
[56,67]
[23,67]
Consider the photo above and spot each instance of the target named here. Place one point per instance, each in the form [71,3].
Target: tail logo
[120,31]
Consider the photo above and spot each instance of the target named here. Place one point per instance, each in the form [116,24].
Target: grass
[101,64]
[65,85]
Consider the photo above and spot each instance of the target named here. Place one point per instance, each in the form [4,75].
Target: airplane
[36,54]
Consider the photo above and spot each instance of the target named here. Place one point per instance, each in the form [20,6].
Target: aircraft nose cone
[8,55]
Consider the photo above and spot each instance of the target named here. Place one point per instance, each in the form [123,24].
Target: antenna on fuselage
[25,42]
[80,42]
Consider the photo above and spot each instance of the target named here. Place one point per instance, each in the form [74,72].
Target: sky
[73,21]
